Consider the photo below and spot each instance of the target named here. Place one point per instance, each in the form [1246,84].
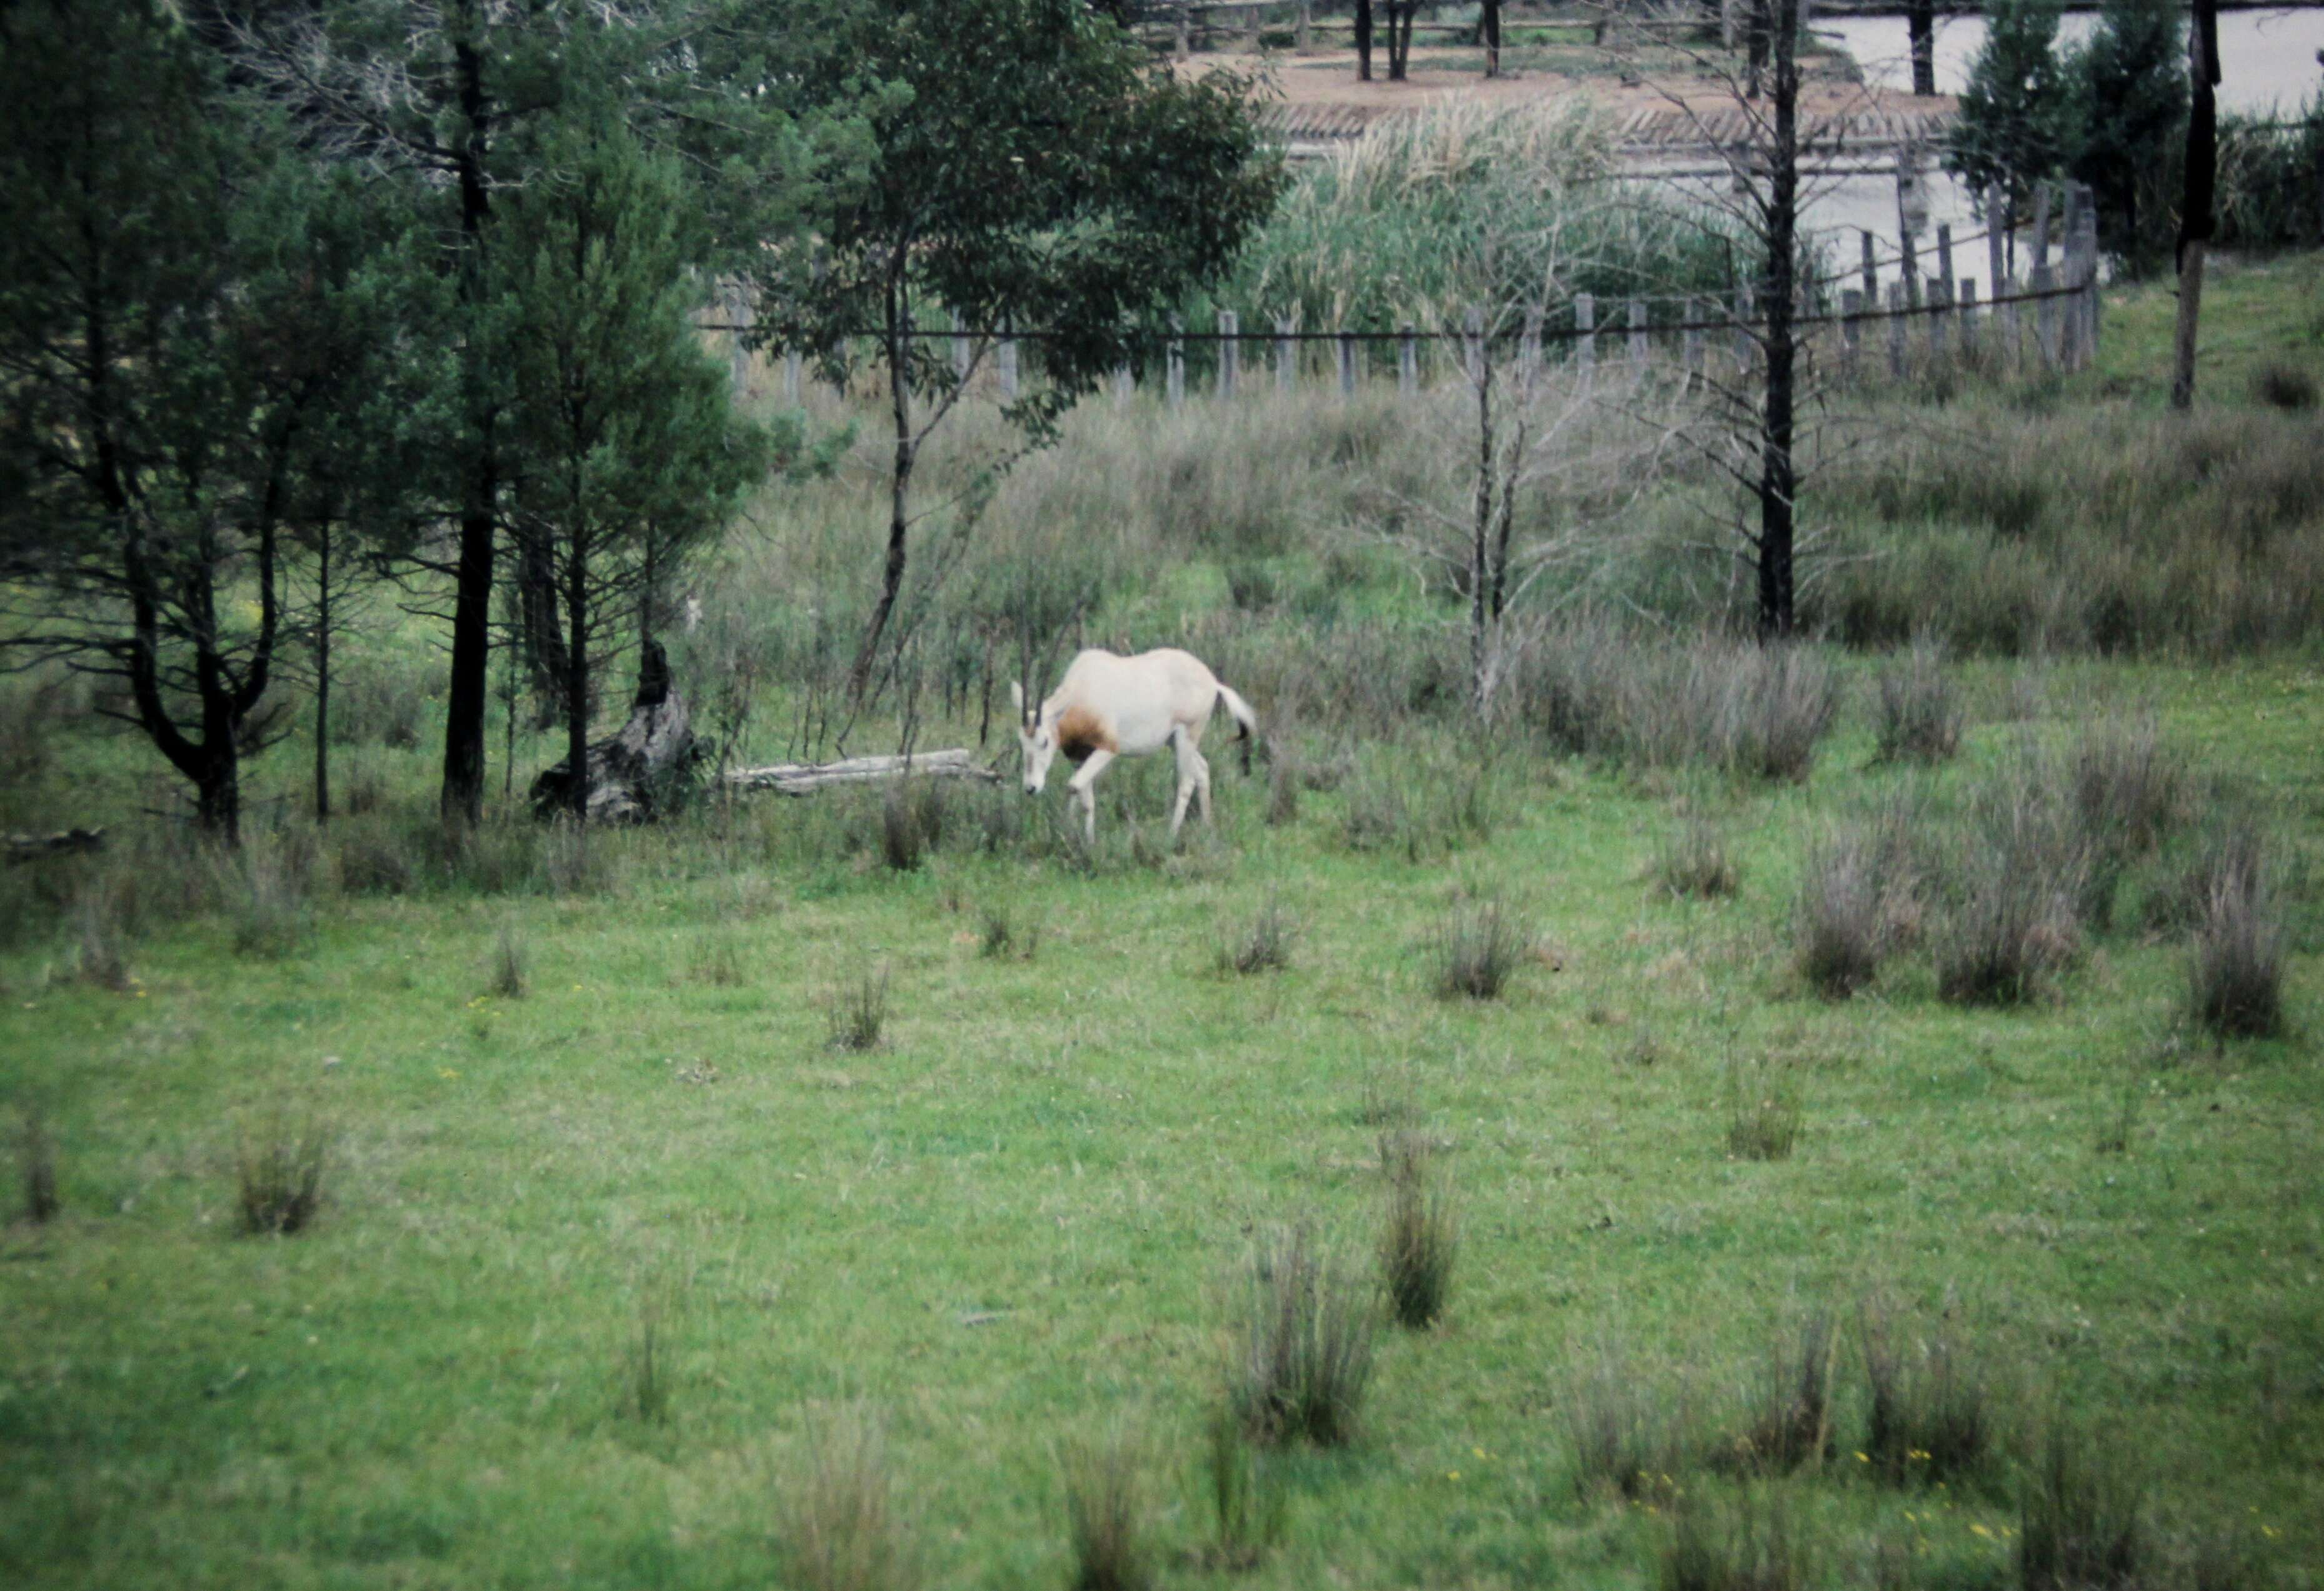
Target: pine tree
[2016,112]
[2130,94]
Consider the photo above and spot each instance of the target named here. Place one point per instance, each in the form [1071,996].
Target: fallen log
[24,848]
[804,778]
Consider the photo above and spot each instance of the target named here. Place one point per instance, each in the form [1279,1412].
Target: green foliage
[2129,85]
[2016,121]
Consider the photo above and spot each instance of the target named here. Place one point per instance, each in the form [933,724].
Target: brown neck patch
[1081,731]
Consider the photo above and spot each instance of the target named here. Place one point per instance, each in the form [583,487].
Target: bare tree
[2195,218]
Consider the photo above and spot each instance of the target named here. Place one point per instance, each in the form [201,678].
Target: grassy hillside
[618,1243]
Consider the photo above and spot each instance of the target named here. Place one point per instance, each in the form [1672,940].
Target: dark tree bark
[899,485]
[463,797]
[1363,40]
[1778,480]
[540,630]
[1489,24]
[2196,222]
[576,675]
[1400,17]
[1920,27]
[323,676]
[1755,42]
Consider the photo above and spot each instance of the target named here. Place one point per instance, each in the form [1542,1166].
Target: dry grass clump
[278,1167]
[1695,862]
[841,1527]
[1478,950]
[2024,865]
[1857,902]
[2234,975]
[1006,935]
[1107,1526]
[1790,1419]
[1248,1507]
[1420,1232]
[1304,1349]
[1746,1543]
[913,815]
[267,888]
[1763,1110]
[1628,1439]
[1263,946]
[856,1011]
[101,936]
[2081,1516]
[1927,1411]
[1919,716]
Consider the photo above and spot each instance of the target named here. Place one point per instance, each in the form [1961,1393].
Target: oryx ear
[1016,695]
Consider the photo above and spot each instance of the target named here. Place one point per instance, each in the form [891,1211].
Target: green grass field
[1018,1220]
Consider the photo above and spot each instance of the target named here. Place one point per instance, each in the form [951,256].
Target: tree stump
[641,773]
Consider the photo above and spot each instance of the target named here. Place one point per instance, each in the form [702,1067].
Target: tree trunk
[577,674]
[1363,40]
[540,636]
[1754,41]
[1777,480]
[900,491]
[2195,220]
[323,678]
[1402,68]
[1491,24]
[1479,538]
[1920,27]
[463,797]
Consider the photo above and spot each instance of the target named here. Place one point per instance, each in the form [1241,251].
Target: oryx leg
[1083,787]
[1194,777]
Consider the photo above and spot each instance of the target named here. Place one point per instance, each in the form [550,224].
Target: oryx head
[1036,741]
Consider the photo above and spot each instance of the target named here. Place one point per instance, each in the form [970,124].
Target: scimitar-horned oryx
[1109,706]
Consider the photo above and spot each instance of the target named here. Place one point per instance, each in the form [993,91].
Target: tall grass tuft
[512,957]
[913,816]
[1919,712]
[2023,870]
[1263,946]
[1791,1411]
[2234,982]
[1629,1440]
[1420,1233]
[1695,862]
[1007,935]
[1763,1110]
[645,1367]
[1107,1527]
[101,937]
[1927,1414]
[267,888]
[37,1162]
[1304,1358]
[841,1527]
[1247,1506]
[2081,1524]
[1854,904]
[1749,1544]
[1478,950]
[278,1167]
[856,1011]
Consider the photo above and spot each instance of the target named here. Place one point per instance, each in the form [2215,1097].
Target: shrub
[1790,1421]
[1265,946]
[278,1166]
[1746,1544]
[1420,1236]
[1106,1509]
[1920,712]
[857,1010]
[2235,984]
[2285,386]
[1248,1508]
[1626,1441]
[1763,1111]
[377,860]
[509,958]
[841,1528]
[1695,862]
[37,1159]
[2080,1524]
[1927,1419]
[2230,853]
[1784,700]
[1478,950]
[1305,1357]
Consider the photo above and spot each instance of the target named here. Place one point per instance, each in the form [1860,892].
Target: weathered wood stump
[641,773]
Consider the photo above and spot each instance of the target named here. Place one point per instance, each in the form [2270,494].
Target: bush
[1248,1507]
[1106,1509]
[1420,1236]
[1478,950]
[1695,862]
[2235,986]
[1265,946]
[1305,1356]
[1920,712]
[2080,1524]
[1927,1419]
[1763,1112]
[374,859]
[278,1167]
[1747,1544]
[841,1528]
[857,1010]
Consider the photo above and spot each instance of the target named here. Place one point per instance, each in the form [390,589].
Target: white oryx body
[1109,706]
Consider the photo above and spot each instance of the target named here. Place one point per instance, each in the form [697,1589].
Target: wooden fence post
[1996,268]
[1286,355]
[1529,352]
[1125,385]
[1585,322]
[738,315]
[2070,277]
[1945,278]
[791,377]
[2013,328]
[1638,349]
[1006,357]
[1896,330]
[1969,317]
[2040,256]
[1908,202]
[1851,304]
[1870,269]
[2045,318]
[1937,297]
[1176,381]
[1184,21]
[1347,349]
[1305,35]
[1407,361]
[1472,343]
[960,349]
[1229,350]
